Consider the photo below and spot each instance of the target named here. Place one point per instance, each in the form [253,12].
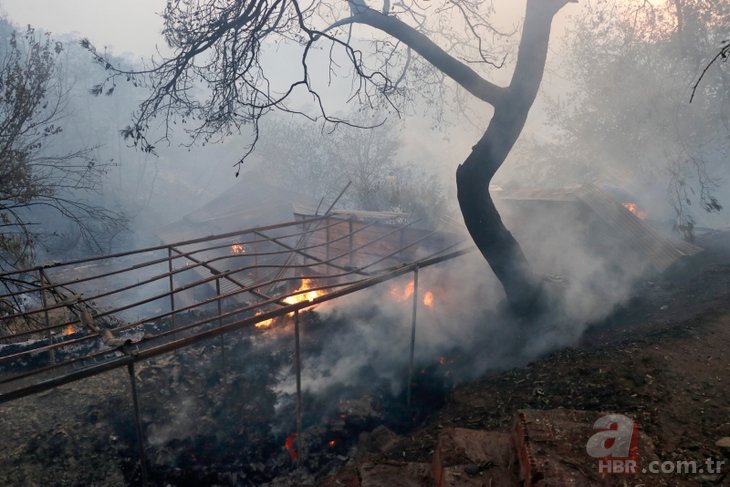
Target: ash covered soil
[663,359]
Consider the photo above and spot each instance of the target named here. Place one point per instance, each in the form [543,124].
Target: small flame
[428,299]
[297,298]
[69,330]
[332,443]
[633,208]
[401,294]
[308,296]
[237,249]
[263,323]
[302,296]
[289,445]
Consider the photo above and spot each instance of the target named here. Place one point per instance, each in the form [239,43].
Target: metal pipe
[350,252]
[402,270]
[298,368]
[303,239]
[52,351]
[256,265]
[329,210]
[138,422]
[329,262]
[48,383]
[198,263]
[220,321]
[413,335]
[163,246]
[172,286]
[328,237]
[225,275]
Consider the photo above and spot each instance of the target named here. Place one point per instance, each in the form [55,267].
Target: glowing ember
[428,299]
[401,294]
[633,208]
[69,330]
[289,445]
[238,249]
[442,360]
[331,443]
[263,323]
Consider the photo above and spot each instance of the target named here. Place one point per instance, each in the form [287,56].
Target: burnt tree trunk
[511,106]
[494,240]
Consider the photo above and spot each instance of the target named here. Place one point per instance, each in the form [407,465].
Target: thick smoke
[361,343]
[466,325]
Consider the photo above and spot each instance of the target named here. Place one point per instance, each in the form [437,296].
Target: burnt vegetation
[217,395]
[37,178]
[217,83]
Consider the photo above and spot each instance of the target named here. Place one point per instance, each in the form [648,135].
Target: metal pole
[402,242]
[327,247]
[349,223]
[329,210]
[44,281]
[172,286]
[220,320]
[256,263]
[140,433]
[413,334]
[298,368]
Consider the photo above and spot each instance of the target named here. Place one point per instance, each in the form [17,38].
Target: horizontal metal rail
[162,246]
[102,328]
[135,353]
[165,275]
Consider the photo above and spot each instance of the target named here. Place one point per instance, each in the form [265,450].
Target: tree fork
[496,243]
[511,104]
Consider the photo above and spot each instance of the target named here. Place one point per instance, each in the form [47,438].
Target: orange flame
[289,445]
[401,294]
[302,296]
[633,208]
[297,298]
[237,249]
[263,323]
[69,330]
[428,299]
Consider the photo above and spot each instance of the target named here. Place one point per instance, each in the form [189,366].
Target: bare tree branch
[32,175]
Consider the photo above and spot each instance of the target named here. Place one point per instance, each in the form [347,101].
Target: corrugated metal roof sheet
[662,250]
[526,194]
[657,249]
[250,203]
[308,210]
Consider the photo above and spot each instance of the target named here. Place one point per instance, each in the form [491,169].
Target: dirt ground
[664,359]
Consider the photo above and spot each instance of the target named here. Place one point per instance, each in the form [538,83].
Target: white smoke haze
[589,273]
[184,423]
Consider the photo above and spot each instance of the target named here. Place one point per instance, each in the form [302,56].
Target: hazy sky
[133,26]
